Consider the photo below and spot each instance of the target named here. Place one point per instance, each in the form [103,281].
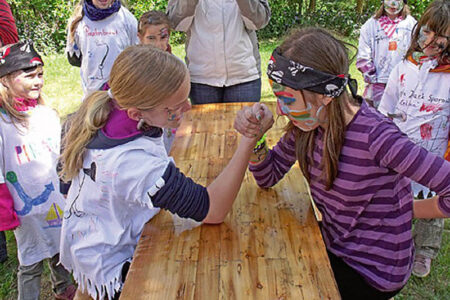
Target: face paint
[430,43]
[171,116]
[164,32]
[301,117]
[393,7]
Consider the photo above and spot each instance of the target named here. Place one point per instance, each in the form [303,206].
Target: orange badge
[392,46]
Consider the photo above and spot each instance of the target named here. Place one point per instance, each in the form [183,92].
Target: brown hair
[8,102]
[317,48]
[153,17]
[437,18]
[381,12]
[77,16]
[142,77]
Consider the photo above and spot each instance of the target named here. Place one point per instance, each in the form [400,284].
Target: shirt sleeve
[392,149]
[364,60]
[255,13]
[181,13]
[277,162]
[156,182]
[391,93]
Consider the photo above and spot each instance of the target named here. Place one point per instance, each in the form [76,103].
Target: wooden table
[269,246]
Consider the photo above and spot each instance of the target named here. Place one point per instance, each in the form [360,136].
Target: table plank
[269,246]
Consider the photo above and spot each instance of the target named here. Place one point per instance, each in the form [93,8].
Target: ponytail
[91,116]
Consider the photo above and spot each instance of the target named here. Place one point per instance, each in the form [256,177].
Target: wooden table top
[269,246]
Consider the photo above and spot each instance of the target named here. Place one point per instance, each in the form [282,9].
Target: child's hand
[254,121]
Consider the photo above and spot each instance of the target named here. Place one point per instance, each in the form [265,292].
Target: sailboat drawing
[54,218]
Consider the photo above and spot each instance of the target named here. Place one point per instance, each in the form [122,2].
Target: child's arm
[392,149]
[255,13]
[428,209]
[181,13]
[364,60]
[391,93]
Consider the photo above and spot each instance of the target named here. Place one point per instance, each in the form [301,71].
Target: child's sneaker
[421,266]
[69,293]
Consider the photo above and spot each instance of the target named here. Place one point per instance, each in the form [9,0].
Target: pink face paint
[164,32]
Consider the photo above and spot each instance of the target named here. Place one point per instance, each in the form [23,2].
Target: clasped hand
[253,121]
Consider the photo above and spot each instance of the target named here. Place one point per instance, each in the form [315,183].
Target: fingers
[253,121]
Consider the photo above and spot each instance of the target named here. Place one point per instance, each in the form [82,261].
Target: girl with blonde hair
[121,174]
[97,32]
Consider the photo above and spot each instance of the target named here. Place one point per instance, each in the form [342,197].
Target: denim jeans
[29,279]
[243,92]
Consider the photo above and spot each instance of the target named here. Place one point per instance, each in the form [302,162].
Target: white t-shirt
[423,97]
[28,167]
[108,204]
[385,52]
[100,42]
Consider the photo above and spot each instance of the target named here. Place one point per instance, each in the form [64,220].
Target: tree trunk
[312,6]
[359,6]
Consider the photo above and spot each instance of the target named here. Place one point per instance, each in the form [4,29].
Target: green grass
[63,92]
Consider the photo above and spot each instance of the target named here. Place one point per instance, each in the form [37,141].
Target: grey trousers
[29,279]
[427,236]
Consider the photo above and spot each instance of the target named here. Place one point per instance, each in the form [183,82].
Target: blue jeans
[243,92]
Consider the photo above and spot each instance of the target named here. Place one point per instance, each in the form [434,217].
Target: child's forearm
[224,189]
[427,209]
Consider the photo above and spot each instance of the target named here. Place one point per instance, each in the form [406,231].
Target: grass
[63,92]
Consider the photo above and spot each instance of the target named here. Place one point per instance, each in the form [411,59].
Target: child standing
[121,174]
[98,32]
[154,29]
[356,162]
[383,42]
[29,147]
[417,97]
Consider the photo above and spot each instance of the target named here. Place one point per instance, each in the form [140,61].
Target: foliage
[45,21]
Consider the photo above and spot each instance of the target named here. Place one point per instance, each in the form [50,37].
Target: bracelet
[261,140]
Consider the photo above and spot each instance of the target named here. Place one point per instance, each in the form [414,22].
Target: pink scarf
[24,104]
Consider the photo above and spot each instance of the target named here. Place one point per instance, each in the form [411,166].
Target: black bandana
[19,56]
[296,76]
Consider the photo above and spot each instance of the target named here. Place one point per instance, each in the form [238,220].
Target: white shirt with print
[28,167]
[99,43]
[423,98]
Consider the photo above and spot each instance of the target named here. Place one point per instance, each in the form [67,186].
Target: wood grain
[269,246]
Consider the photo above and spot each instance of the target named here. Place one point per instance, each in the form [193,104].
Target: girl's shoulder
[409,21]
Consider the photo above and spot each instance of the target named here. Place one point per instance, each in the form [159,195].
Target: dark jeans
[243,92]
[352,285]
[3,251]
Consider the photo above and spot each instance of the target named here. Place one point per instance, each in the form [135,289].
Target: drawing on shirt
[73,210]
[102,62]
[434,108]
[28,201]
[425,131]
[54,216]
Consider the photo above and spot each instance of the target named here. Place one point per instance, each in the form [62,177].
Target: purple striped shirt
[367,214]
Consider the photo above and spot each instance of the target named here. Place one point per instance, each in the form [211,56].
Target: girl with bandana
[121,173]
[98,31]
[356,161]
[383,42]
[417,97]
[29,184]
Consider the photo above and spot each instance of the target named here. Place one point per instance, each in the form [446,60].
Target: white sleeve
[391,93]
[138,173]
[2,162]
[133,25]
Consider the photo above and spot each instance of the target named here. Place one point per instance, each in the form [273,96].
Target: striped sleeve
[277,163]
[392,149]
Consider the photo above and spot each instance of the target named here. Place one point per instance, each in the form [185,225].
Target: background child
[8,35]
[121,173]
[29,147]
[417,97]
[356,162]
[154,29]
[98,32]
[383,42]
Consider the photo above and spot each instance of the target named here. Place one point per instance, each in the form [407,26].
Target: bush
[45,21]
